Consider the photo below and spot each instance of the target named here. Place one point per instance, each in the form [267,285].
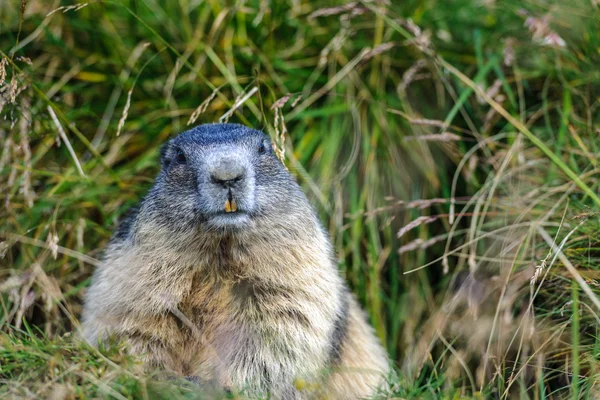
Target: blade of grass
[64,119]
[575,341]
[525,131]
[569,266]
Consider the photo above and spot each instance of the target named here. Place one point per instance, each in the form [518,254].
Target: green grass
[369,85]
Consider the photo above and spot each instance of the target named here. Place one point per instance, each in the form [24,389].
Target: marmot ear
[165,154]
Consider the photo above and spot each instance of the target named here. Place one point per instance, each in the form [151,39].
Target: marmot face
[223,177]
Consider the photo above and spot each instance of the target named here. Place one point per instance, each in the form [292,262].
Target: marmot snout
[225,273]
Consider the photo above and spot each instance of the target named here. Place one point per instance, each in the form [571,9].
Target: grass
[450,149]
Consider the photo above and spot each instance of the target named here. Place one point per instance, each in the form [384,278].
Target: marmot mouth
[223,219]
[228,213]
[225,214]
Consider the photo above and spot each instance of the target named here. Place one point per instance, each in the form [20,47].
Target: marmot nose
[227,172]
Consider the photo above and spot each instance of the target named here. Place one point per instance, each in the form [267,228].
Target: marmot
[225,273]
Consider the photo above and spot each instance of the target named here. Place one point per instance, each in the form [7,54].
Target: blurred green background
[445,144]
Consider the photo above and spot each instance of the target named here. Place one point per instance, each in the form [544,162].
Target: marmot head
[222,177]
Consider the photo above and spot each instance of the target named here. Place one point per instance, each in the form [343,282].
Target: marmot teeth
[230,206]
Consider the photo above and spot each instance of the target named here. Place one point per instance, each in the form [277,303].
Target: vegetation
[450,148]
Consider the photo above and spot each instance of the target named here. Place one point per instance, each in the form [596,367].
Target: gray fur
[250,299]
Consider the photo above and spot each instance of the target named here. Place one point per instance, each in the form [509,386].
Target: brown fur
[252,310]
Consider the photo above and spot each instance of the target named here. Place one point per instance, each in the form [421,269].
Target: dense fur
[251,300]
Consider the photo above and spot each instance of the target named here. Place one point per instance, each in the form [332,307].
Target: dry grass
[450,148]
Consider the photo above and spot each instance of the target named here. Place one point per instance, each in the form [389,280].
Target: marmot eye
[261,148]
[180,157]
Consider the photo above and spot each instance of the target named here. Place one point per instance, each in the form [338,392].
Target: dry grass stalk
[296,101]
[24,59]
[421,39]
[239,101]
[542,33]
[508,53]
[349,9]
[64,137]
[413,224]
[567,263]
[439,137]
[125,112]
[65,9]
[52,243]
[280,128]
[492,91]
[3,64]
[61,250]
[409,75]
[420,244]
[24,124]
[380,49]
[203,106]
[7,150]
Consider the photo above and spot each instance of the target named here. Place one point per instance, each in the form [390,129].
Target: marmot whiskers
[225,273]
